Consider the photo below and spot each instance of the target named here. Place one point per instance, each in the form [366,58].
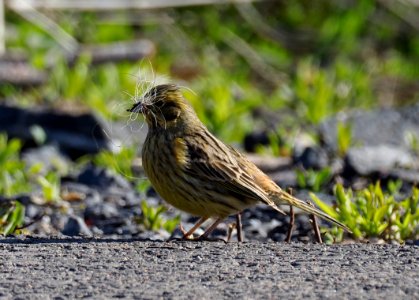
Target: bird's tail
[281,197]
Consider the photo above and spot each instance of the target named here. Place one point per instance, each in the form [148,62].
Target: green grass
[13,175]
[119,162]
[313,180]
[373,213]
[18,178]
[152,218]
[11,216]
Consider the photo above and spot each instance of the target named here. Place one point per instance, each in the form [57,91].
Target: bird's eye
[171,113]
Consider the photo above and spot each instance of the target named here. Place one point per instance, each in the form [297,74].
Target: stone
[101,211]
[388,126]
[370,159]
[50,157]
[76,226]
[312,158]
[75,134]
[93,176]
[406,175]
[254,139]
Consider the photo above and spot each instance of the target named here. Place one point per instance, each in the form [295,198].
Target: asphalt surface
[132,269]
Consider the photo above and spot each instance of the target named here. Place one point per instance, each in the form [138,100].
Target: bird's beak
[137,107]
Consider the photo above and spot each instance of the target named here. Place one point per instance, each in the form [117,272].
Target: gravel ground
[98,268]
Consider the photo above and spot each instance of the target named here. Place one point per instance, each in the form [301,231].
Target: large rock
[371,159]
[76,134]
[372,128]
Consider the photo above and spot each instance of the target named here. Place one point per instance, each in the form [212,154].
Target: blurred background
[323,95]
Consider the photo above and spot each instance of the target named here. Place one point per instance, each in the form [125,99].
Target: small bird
[197,173]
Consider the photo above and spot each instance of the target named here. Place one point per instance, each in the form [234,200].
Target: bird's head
[164,107]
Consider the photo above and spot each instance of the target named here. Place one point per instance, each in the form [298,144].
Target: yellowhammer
[197,173]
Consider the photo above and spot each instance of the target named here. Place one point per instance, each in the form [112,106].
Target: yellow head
[164,107]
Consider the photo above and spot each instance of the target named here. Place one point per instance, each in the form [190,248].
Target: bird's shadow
[86,240]
[71,240]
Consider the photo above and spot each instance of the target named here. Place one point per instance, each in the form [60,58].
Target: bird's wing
[220,164]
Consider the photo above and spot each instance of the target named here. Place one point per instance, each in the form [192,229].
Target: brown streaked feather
[205,163]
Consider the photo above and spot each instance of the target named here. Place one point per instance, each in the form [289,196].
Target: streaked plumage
[197,173]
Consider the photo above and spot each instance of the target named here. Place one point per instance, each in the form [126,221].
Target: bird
[194,171]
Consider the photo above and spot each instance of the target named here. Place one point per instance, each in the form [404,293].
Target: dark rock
[23,199]
[252,140]
[57,220]
[261,212]
[312,158]
[76,134]
[151,193]
[412,242]
[301,143]
[76,226]
[277,236]
[128,230]
[101,211]
[282,228]
[370,159]
[111,226]
[101,178]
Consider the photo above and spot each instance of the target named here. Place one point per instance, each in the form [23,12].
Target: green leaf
[301,180]
[380,213]
[13,217]
[38,134]
[344,137]
[381,228]
[324,207]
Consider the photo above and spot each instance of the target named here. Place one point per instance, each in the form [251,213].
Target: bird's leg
[290,228]
[315,226]
[231,227]
[182,229]
[292,220]
[210,229]
[187,234]
[239,227]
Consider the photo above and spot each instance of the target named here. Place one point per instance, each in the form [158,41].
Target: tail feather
[282,198]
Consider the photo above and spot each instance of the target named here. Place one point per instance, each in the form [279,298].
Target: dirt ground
[35,268]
